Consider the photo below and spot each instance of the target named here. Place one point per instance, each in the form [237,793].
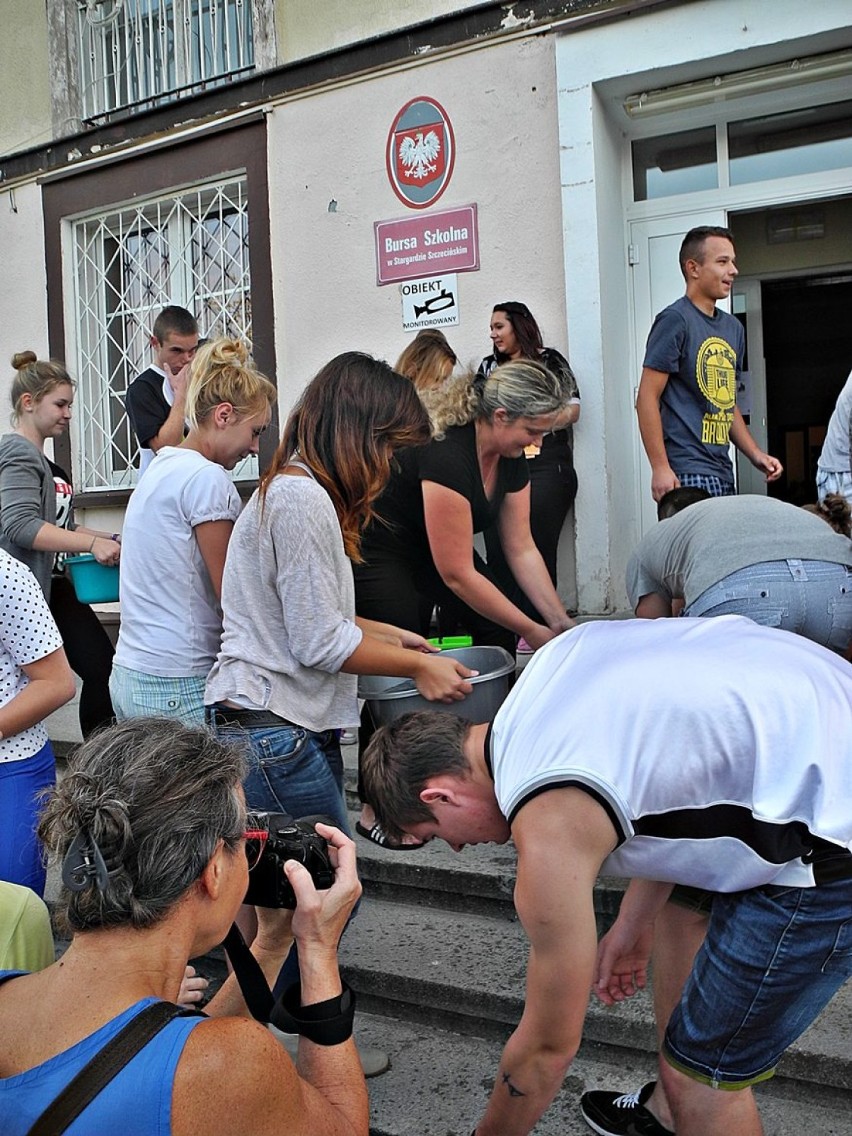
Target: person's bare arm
[562,837]
[213,538]
[567,416]
[51,538]
[51,685]
[745,443]
[651,387]
[172,431]
[654,606]
[449,526]
[624,951]
[526,561]
[438,678]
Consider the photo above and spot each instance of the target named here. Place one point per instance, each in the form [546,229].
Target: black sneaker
[614,1114]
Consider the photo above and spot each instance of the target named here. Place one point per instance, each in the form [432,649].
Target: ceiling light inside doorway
[778,76]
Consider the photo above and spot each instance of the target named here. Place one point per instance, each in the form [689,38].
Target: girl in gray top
[37,522]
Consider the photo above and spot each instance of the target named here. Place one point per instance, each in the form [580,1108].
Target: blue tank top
[137,1102]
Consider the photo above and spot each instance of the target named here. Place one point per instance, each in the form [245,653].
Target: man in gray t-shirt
[687,394]
[751,555]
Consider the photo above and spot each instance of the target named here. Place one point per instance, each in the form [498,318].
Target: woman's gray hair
[523,388]
[155,798]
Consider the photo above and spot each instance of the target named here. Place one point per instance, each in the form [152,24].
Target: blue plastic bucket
[93,582]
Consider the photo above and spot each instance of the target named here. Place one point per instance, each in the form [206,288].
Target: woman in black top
[471,477]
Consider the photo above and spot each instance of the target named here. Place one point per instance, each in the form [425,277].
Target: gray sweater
[27,501]
[288,607]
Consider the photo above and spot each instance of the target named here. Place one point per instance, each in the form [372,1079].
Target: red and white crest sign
[420,153]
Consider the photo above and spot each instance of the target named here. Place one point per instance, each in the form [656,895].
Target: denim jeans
[809,597]
[772,959]
[291,770]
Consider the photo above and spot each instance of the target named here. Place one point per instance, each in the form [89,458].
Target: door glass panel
[674,163]
[782,145]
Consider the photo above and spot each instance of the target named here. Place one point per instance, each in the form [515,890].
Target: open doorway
[795,292]
[807,336]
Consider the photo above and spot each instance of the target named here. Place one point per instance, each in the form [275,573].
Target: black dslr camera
[273,838]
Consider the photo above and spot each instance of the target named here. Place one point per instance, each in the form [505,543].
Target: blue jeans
[291,770]
[810,597]
[21,856]
[772,959]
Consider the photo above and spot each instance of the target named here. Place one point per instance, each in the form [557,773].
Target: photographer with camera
[150,827]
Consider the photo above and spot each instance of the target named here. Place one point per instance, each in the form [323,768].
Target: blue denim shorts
[771,961]
[291,769]
[809,597]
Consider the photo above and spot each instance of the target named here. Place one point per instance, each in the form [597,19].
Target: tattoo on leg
[513,1092]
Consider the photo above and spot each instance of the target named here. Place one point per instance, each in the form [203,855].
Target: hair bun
[225,351]
[23,359]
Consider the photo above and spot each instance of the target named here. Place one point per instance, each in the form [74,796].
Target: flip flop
[378,836]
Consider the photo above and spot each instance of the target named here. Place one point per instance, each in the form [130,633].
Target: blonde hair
[425,359]
[523,388]
[35,377]
[221,372]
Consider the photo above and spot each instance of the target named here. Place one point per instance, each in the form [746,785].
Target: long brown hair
[344,428]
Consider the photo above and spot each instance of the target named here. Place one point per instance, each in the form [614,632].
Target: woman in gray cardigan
[36,523]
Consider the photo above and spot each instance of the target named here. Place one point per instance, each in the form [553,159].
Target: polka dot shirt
[27,634]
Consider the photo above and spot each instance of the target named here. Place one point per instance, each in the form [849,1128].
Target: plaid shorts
[711,484]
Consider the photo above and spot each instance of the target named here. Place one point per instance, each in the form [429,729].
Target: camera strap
[324,1023]
[251,979]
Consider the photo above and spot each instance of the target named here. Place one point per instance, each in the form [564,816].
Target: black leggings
[89,652]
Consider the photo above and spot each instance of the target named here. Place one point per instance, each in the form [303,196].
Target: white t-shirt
[27,633]
[721,750]
[171,621]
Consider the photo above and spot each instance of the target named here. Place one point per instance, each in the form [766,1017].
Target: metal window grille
[135,52]
[128,264]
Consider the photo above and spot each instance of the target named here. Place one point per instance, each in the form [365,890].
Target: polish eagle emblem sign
[420,153]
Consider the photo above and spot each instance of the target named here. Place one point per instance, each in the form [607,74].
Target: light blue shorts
[138,695]
[809,597]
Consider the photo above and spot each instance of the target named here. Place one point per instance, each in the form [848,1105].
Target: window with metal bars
[133,53]
[128,264]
